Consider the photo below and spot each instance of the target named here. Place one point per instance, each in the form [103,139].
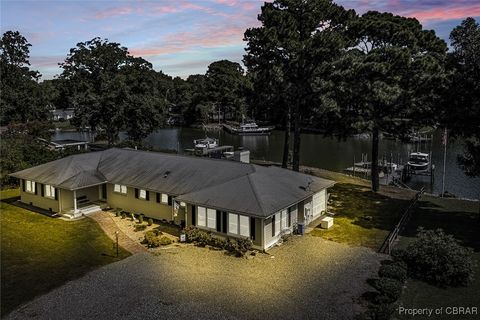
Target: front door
[104,191]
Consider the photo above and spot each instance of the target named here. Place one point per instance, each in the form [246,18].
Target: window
[284,219]
[277,223]
[49,191]
[30,186]
[120,188]
[143,194]
[233,223]
[202,217]
[164,198]
[212,218]
[244,226]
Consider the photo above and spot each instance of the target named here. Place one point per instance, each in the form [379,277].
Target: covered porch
[82,201]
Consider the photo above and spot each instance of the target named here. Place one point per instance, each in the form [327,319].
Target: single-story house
[62,114]
[229,198]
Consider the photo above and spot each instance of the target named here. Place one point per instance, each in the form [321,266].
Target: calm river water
[325,153]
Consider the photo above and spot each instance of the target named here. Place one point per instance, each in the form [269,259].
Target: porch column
[75,210]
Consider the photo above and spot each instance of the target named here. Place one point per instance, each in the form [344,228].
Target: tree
[295,41]
[391,81]
[21,99]
[145,100]
[462,110]
[112,89]
[225,88]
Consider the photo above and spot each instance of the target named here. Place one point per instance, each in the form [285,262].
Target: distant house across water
[62,114]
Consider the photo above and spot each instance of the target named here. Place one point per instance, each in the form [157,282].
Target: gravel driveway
[307,277]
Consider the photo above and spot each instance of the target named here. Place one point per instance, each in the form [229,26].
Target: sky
[179,37]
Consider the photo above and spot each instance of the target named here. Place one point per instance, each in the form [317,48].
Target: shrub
[438,258]
[139,227]
[389,289]
[123,215]
[229,245]
[164,241]
[155,238]
[243,246]
[192,234]
[393,271]
[140,218]
[381,311]
[117,212]
[150,221]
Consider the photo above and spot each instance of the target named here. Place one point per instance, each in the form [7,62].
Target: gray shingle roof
[221,184]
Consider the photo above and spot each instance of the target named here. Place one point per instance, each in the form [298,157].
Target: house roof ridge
[255,193]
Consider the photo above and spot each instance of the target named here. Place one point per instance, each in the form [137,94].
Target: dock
[216,152]
[389,173]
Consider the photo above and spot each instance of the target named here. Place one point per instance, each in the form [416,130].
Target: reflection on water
[326,153]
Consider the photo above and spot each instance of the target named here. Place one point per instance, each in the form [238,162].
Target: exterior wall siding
[128,202]
[66,200]
[38,201]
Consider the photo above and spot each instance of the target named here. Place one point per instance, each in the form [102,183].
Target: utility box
[326,223]
[242,156]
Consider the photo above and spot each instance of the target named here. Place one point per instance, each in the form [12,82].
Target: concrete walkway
[109,227]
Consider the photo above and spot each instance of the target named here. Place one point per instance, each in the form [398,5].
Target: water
[325,153]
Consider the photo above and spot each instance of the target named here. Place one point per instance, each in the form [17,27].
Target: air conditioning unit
[326,223]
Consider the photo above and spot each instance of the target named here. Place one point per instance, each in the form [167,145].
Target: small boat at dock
[248,129]
[206,143]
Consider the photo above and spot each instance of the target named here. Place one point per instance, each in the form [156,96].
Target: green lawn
[362,217]
[456,217]
[39,253]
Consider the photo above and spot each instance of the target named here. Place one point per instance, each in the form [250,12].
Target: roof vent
[166,174]
[307,187]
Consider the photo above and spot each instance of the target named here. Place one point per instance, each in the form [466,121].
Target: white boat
[419,161]
[206,143]
[249,128]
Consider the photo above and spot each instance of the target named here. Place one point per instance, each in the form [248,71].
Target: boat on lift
[419,161]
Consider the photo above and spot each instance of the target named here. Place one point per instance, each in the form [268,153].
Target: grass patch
[362,217]
[39,253]
[456,217]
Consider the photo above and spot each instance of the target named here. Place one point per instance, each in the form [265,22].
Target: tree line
[310,64]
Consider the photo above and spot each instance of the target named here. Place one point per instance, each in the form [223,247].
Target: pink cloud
[442,14]
[113,12]
[209,37]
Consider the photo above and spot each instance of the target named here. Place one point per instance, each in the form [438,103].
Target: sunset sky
[180,37]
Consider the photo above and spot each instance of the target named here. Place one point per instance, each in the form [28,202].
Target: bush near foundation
[438,258]
[201,238]
[150,221]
